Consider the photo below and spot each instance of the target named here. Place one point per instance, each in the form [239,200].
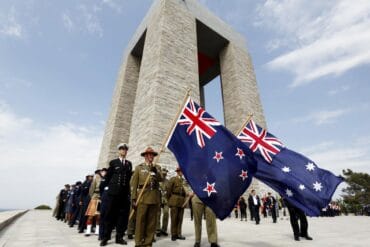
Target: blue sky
[59,61]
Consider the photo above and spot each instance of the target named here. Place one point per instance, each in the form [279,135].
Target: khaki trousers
[198,210]
[177,215]
[146,221]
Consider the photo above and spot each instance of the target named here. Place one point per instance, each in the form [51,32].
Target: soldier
[84,202]
[164,207]
[148,206]
[199,209]
[117,196]
[176,199]
[102,210]
[75,210]
[63,196]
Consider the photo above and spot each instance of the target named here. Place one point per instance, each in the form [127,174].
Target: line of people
[103,202]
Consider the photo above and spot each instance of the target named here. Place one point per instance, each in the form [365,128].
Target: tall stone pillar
[162,61]
[169,66]
[119,122]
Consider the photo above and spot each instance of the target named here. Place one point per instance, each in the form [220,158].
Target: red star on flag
[218,156]
[244,175]
[240,153]
[210,188]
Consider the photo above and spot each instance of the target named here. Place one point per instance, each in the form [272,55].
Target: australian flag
[217,166]
[298,179]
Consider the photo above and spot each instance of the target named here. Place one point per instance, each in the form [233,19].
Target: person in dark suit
[117,196]
[255,203]
[271,205]
[243,209]
[250,208]
[101,206]
[63,196]
[84,202]
[295,215]
[75,210]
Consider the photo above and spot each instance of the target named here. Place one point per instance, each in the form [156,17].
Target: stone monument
[179,45]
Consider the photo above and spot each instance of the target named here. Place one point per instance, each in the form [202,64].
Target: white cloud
[84,18]
[327,37]
[323,116]
[14,82]
[67,22]
[10,26]
[339,90]
[336,157]
[116,5]
[91,20]
[37,160]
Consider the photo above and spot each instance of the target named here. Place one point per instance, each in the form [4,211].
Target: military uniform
[164,210]
[198,209]
[116,199]
[147,208]
[176,199]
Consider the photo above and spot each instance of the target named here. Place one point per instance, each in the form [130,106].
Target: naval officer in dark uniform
[117,196]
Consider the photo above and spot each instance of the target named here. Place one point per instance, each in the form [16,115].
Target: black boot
[307,237]
[120,241]
[104,242]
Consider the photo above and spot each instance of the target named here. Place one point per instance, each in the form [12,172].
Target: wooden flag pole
[249,117]
[161,150]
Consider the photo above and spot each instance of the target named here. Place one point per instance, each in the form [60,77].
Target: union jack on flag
[260,141]
[199,122]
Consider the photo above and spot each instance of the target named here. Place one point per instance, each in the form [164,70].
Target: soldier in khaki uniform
[147,208]
[176,198]
[164,211]
[198,209]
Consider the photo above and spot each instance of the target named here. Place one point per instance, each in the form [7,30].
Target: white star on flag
[240,153]
[244,175]
[210,188]
[310,166]
[285,169]
[302,187]
[218,156]
[317,186]
[288,192]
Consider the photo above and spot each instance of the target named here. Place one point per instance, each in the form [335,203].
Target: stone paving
[38,228]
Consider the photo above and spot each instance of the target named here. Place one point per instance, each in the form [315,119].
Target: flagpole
[174,121]
[245,123]
[162,148]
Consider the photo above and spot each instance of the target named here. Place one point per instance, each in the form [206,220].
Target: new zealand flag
[297,178]
[217,166]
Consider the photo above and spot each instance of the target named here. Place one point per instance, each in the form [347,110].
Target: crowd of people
[141,202]
[333,209]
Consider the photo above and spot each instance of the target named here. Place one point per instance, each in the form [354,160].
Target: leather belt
[179,194]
